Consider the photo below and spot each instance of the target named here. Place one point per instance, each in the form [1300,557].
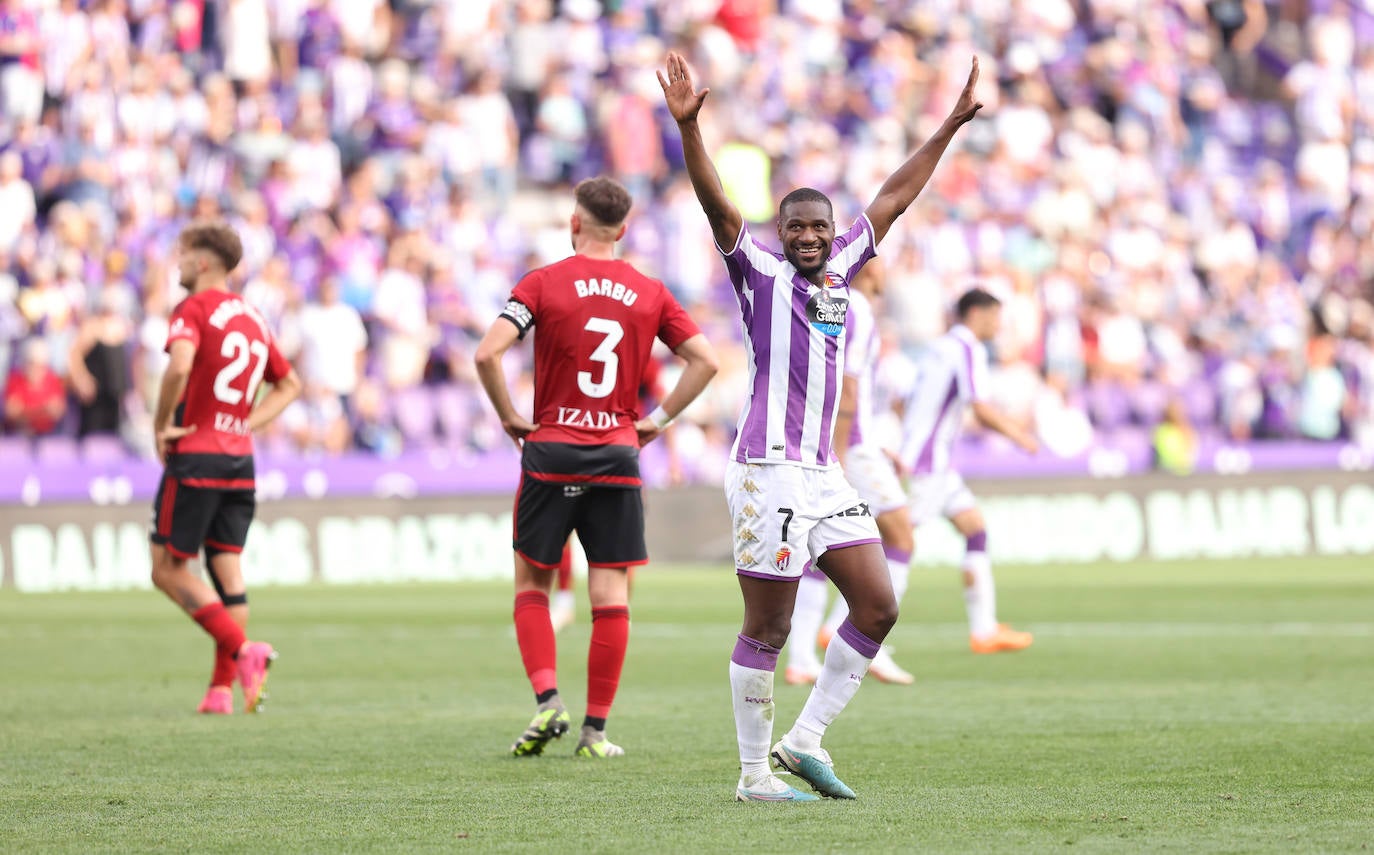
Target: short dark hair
[217,238]
[605,199]
[975,298]
[805,194]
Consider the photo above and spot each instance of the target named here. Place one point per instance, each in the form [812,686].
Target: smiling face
[806,231]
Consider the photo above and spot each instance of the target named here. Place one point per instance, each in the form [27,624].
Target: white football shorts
[872,474]
[939,494]
[785,516]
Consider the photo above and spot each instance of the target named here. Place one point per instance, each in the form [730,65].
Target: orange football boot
[1003,640]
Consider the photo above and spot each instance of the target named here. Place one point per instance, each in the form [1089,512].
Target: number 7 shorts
[785,516]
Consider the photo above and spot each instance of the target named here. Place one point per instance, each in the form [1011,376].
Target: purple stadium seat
[103,449]
[1108,405]
[455,414]
[56,449]
[1133,441]
[274,447]
[414,413]
[1199,402]
[1148,401]
[15,450]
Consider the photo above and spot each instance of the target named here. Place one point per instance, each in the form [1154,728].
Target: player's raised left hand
[966,107]
[167,437]
[517,427]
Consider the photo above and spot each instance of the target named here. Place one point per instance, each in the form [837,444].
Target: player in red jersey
[221,350]
[597,318]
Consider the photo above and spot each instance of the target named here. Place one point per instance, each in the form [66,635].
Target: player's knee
[976,542]
[166,566]
[875,618]
[885,616]
[772,629]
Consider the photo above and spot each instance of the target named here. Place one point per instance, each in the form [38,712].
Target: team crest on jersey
[782,558]
[826,312]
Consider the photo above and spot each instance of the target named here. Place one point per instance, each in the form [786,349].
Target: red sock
[610,635]
[228,635]
[534,634]
[225,669]
[565,569]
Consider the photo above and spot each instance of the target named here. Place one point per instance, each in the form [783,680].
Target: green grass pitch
[1211,707]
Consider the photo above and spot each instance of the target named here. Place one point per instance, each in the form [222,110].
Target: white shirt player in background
[873,474]
[951,379]
[789,501]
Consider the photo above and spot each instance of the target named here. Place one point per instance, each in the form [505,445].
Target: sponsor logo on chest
[826,311]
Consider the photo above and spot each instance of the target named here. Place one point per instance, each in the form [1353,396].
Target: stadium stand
[1175,199]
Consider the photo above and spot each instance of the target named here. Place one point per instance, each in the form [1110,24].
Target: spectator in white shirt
[399,305]
[334,346]
[17,207]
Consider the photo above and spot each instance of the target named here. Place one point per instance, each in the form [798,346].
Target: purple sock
[751,653]
[862,644]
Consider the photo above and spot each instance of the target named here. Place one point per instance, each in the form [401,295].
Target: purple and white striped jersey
[795,332]
[861,363]
[950,375]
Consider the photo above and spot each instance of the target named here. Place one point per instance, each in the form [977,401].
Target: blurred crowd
[1175,199]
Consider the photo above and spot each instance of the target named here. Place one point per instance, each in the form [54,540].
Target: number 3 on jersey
[604,353]
[237,348]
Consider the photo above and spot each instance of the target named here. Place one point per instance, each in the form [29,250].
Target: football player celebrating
[788,498]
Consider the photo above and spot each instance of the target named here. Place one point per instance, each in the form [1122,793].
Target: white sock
[980,598]
[901,575]
[846,661]
[751,690]
[806,622]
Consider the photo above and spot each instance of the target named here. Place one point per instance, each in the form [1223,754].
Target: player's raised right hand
[967,106]
[517,428]
[684,101]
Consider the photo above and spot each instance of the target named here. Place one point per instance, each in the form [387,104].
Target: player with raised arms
[951,377]
[220,351]
[789,501]
[595,319]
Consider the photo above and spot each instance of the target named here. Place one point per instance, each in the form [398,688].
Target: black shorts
[608,520]
[188,518]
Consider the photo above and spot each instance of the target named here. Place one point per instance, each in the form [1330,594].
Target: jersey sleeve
[278,366]
[185,325]
[748,262]
[852,250]
[523,305]
[979,379]
[973,372]
[674,324]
